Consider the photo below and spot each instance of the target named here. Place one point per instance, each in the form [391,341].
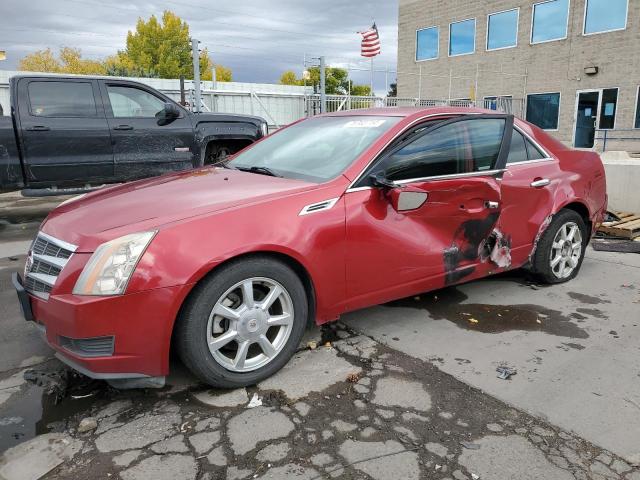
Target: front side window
[543,110]
[131,102]
[465,146]
[462,37]
[317,149]
[550,21]
[427,43]
[502,30]
[605,16]
[62,99]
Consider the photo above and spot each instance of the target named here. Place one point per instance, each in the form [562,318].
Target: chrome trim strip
[55,261]
[318,207]
[489,173]
[486,173]
[57,242]
[41,295]
[41,277]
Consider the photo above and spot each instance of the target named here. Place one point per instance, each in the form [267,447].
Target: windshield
[315,150]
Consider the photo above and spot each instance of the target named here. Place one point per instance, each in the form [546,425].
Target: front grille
[47,258]
[88,347]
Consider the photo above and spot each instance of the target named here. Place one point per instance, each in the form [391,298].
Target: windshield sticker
[364,124]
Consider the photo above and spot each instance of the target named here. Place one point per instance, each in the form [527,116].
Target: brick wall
[556,66]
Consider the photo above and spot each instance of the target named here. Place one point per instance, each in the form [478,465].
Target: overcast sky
[257,39]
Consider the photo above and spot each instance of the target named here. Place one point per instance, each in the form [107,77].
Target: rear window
[62,99]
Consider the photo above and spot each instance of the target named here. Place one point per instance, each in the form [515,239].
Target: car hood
[146,204]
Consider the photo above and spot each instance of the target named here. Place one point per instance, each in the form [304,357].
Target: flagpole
[372,94]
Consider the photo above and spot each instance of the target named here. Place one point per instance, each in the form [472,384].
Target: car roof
[409,111]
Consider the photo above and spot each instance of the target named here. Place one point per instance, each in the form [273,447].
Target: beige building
[570,66]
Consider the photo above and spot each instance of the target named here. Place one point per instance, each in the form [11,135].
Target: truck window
[62,99]
[131,102]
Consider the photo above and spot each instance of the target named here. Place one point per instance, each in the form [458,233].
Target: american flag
[370,42]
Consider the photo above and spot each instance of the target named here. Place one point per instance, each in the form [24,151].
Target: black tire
[541,262]
[191,326]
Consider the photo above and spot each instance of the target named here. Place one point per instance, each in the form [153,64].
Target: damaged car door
[425,214]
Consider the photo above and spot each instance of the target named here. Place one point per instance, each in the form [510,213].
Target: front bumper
[140,324]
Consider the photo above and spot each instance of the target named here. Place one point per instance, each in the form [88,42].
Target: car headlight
[112,264]
[264,128]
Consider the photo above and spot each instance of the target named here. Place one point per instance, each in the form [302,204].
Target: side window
[533,152]
[131,102]
[518,150]
[461,147]
[62,99]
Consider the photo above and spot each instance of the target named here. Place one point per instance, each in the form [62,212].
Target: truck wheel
[243,323]
[217,153]
[561,248]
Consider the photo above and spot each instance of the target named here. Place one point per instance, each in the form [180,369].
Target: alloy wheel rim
[566,250]
[250,324]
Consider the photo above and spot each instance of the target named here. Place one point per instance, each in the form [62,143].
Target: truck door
[142,145]
[64,132]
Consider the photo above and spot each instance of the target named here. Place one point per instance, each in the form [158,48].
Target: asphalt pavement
[405,390]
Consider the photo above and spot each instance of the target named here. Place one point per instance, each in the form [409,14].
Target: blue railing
[612,135]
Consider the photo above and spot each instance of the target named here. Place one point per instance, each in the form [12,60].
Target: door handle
[123,127]
[38,128]
[491,205]
[540,182]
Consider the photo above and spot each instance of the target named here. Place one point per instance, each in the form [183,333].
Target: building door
[586,118]
[595,109]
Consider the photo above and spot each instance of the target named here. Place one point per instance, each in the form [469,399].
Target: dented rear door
[452,236]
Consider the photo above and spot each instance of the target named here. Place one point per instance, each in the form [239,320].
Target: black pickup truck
[71,134]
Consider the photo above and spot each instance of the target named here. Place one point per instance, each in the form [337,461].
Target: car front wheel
[561,248]
[243,323]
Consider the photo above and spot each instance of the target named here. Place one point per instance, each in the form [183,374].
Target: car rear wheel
[243,323]
[561,248]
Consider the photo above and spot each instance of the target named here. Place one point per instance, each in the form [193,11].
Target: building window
[543,110]
[637,122]
[549,21]
[502,29]
[462,37]
[427,43]
[605,16]
[608,108]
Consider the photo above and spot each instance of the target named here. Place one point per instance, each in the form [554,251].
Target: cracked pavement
[405,390]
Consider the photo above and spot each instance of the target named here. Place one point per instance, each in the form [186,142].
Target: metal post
[195,54]
[372,94]
[183,100]
[604,142]
[323,86]
[386,80]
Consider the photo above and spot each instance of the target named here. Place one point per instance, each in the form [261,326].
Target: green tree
[393,90]
[337,81]
[289,78]
[69,60]
[163,49]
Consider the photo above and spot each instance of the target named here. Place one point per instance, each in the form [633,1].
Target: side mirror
[402,198]
[407,199]
[168,114]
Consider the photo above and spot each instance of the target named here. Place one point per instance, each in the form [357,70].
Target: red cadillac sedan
[227,265]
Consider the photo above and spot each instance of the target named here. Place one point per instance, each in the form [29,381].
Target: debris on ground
[470,445]
[504,373]
[312,345]
[87,425]
[53,382]
[255,401]
[473,320]
[353,377]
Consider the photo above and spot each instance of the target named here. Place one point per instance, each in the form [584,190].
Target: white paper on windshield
[364,123]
